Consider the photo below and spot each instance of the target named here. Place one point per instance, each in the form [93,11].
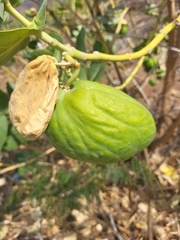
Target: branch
[129,79]
[172,60]
[114,226]
[168,134]
[19,165]
[95,56]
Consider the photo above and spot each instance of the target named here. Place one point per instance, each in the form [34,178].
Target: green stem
[9,8]
[129,79]
[73,77]
[95,56]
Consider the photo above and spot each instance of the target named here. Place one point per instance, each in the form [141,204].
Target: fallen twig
[13,167]
[114,227]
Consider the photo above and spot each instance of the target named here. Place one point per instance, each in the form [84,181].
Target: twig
[39,236]
[135,70]
[140,89]
[11,168]
[114,227]
[118,28]
[13,76]
[142,92]
[167,135]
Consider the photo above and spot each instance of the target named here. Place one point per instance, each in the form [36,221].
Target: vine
[95,56]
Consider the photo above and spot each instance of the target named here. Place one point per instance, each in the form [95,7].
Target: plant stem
[171,66]
[167,135]
[128,80]
[73,77]
[95,56]
[9,8]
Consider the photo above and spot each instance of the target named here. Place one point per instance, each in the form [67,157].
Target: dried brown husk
[36,92]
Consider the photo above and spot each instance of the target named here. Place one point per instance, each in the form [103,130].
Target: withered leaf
[32,102]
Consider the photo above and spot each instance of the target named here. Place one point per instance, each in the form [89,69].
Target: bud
[36,92]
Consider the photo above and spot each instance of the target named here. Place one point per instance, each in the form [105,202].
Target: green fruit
[152,82]
[150,63]
[160,73]
[124,29]
[96,123]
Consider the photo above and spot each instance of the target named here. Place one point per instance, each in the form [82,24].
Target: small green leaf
[40,18]
[33,44]
[4,100]
[95,69]
[36,53]
[13,41]
[16,3]
[151,9]
[1,10]
[10,87]
[56,52]
[100,73]
[22,156]
[10,143]
[160,73]
[3,129]
[141,45]
[3,13]
[23,170]
[100,47]
[82,74]
[80,42]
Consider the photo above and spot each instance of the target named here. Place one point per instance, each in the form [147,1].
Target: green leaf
[56,52]
[100,73]
[1,10]
[82,74]
[4,100]
[10,143]
[22,156]
[13,41]
[151,9]
[36,53]
[23,170]
[16,3]
[141,45]
[3,13]
[95,71]
[10,87]
[80,45]
[160,73]
[33,44]
[100,47]
[40,18]
[80,42]
[79,4]
[3,129]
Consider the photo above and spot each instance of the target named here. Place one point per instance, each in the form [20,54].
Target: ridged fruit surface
[96,123]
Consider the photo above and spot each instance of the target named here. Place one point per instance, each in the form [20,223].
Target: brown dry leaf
[32,102]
